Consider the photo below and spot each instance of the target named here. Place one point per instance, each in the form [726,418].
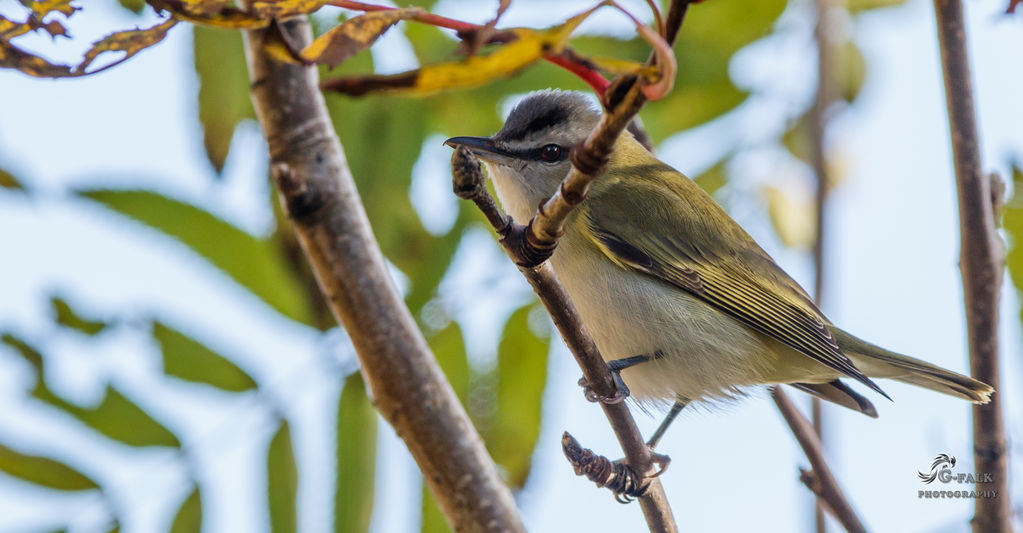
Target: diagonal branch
[823,482]
[468,184]
[982,260]
[407,385]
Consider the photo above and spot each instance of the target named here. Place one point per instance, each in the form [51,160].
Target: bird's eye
[551,153]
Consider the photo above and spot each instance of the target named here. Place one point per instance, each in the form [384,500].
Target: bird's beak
[485,149]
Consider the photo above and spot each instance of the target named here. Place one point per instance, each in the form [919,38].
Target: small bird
[679,299]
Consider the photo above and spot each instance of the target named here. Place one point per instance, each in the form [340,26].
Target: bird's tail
[875,361]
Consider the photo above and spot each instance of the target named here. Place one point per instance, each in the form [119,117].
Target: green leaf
[522,375]
[712,179]
[117,417]
[356,457]
[449,349]
[189,517]
[223,88]
[253,263]
[186,358]
[1012,223]
[282,482]
[43,471]
[433,520]
[850,70]
[8,181]
[797,138]
[703,88]
[135,6]
[858,6]
[67,317]
[26,351]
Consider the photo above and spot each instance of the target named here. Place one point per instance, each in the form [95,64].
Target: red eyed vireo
[674,292]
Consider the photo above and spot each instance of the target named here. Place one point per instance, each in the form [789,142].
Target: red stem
[592,78]
[427,18]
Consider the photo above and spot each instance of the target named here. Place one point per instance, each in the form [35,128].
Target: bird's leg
[680,404]
[659,458]
[616,366]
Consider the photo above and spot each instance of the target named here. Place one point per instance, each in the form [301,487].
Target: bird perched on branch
[680,300]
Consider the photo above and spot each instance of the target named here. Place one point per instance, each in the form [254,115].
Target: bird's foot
[621,390]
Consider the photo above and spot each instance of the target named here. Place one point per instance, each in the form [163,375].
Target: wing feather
[667,246]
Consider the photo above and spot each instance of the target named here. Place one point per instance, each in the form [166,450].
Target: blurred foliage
[282,482]
[521,375]
[67,317]
[188,359]
[383,136]
[8,181]
[189,516]
[253,263]
[1012,225]
[223,88]
[43,471]
[356,457]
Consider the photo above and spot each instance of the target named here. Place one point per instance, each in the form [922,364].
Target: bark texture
[981,260]
[406,383]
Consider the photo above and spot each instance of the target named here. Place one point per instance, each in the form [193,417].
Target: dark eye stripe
[536,154]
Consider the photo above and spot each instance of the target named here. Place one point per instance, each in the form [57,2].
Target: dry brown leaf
[130,42]
[284,8]
[13,57]
[10,29]
[353,36]
[41,8]
[528,47]
[217,13]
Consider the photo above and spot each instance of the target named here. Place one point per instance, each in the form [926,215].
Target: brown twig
[616,476]
[407,385]
[827,488]
[622,101]
[468,184]
[982,260]
[530,246]
[818,126]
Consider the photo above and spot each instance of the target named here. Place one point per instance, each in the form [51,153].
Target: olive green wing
[695,246]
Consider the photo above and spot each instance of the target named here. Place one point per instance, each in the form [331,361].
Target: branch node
[466,174]
[590,162]
[617,91]
[617,476]
[302,202]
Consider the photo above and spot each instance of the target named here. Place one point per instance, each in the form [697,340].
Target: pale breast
[706,354]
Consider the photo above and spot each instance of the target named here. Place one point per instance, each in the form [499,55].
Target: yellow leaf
[793,217]
[41,8]
[352,36]
[219,13]
[10,29]
[284,8]
[13,57]
[527,48]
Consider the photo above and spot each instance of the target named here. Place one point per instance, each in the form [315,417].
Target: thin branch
[530,246]
[468,184]
[469,30]
[818,126]
[826,487]
[407,385]
[622,101]
[982,260]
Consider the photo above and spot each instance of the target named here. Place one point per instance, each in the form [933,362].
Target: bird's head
[528,158]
